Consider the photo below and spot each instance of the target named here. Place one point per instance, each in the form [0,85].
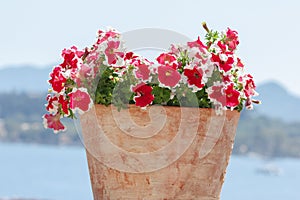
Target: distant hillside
[278,102]
[24,78]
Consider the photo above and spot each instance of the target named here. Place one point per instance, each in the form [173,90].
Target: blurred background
[36,164]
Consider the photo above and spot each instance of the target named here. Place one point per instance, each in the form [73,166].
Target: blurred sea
[61,173]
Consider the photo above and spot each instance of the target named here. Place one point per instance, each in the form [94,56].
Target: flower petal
[53,122]
[80,100]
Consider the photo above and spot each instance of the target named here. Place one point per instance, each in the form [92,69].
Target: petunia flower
[232,39]
[168,76]
[223,65]
[52,103]
[80,100]
[250,86]
[144,95]
[83,74]
[239,63]
[103,36]
[142,72]
[130,56]
[64,104]
[194,77]
[53,121]
[216,94]
[232,96]
[112,52]
[198,44]
[165,58]
[71,58]
[57,80]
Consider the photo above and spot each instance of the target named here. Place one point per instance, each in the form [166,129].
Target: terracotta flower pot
[158,153]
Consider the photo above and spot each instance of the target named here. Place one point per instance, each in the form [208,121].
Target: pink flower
[53,121]
[175,49]
[168,76]
[103,36]
[92,57]
[111,52]
[223,65]
[200,59]
[142,72]
[144,95]
[216,94]
[80,100]
[84,72]
[57,79]
[232,39]
[165,58]
[232,96]
[198,44]
[194,76]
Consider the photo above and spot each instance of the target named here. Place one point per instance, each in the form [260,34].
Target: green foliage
[211,37]
[162,95]
[105,87]
[267,137]
[114,90]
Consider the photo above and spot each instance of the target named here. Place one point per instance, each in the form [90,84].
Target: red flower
[232,39]
[53,121]
[80,100]
[112,53]
[226,79]
[165,58]
[71,58]
[198,44]
[142,71]
[51,100]
[227,96]
[64,104]
[223,65]
[168,76]
[57,79]
[250,86]
[239,63]
[130,56]
[144,95]
[232,96]
[222,47]
[248,104]
[194,76]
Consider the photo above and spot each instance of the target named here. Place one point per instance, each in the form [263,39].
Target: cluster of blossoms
[211,71]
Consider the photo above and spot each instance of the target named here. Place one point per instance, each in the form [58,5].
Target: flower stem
[204,25]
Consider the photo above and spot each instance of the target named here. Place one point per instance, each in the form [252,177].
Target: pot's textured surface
[165,153]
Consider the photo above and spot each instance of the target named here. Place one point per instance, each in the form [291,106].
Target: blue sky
[34,31]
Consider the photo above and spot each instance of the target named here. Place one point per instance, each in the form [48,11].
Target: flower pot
[158,153]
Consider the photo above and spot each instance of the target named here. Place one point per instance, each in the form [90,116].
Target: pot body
[158,153]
